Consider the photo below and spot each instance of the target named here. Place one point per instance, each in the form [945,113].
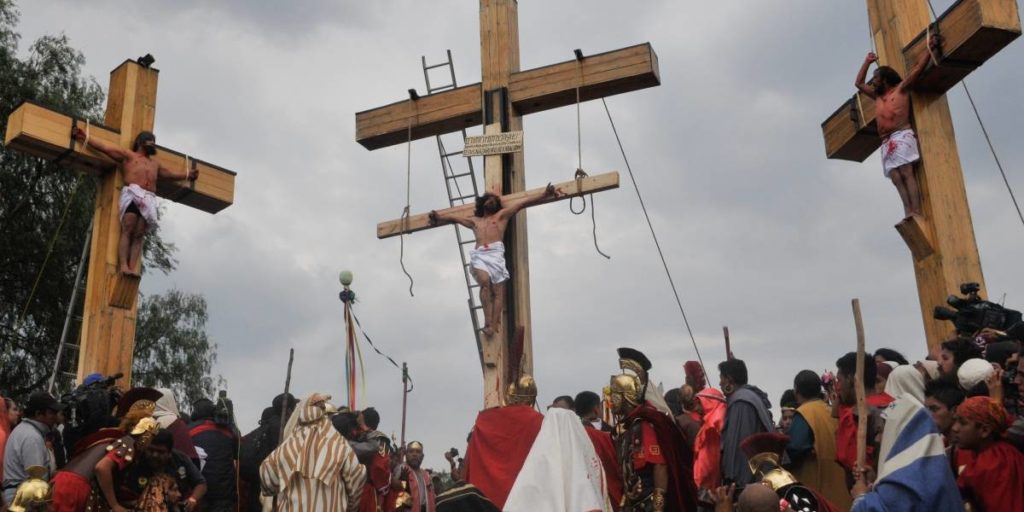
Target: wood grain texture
[606,74]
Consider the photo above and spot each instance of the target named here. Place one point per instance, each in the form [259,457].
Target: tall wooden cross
[498,102]
[941,241]
[108,324]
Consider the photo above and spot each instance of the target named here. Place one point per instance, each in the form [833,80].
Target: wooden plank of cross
[108,325]
[941,239]
[505,94]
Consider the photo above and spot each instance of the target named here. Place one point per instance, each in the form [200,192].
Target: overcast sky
[761,231]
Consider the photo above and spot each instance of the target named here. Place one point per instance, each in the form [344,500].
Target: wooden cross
[498,102]
[108,325]
[941,241]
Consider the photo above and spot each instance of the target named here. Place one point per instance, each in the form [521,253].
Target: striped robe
[314,469]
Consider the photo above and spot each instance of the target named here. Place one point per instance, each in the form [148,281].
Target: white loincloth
[491,259]
[144,200]
[562,472]
[899,149]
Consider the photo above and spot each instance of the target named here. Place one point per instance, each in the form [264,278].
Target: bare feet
[488,331]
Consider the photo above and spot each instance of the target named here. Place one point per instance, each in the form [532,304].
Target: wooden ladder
[460,182]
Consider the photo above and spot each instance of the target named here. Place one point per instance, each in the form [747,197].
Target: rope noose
[580,173]
[404,226]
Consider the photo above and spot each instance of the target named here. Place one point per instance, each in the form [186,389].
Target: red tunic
[992,480]
[498,446]
[606,452]
[846,433]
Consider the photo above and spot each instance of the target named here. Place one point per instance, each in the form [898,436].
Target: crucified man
[487,260]
[892,110]
[137,204]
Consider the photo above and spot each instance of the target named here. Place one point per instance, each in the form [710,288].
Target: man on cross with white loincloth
[487,260]
[892,110]
[137,205]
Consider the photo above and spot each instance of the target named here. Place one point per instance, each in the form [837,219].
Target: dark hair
[163,438]
[888,354]
[585,402]
[480,200]
[1000,351]
[962,350]
[371,417]
[847,366]
[345,423]
[564,398]
[673,399]
[203,409]
[141,138]
[735,369]
[944,391]
[889,75]
[807,384]
[268,415]
[788,399]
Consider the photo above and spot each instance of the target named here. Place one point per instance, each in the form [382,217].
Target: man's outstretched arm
[437,218]
[187,174]
[514,207]
[863,74]
[115,153]
[934,44]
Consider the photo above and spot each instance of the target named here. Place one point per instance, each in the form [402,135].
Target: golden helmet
[522,392]
[34,493]
[628,388]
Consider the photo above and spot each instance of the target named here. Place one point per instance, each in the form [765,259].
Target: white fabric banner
[562,472]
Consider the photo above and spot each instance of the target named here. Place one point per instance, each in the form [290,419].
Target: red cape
[682,492]
[606,452]
[501,440]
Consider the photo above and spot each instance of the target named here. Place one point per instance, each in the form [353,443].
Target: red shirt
[846,432]
[992,480]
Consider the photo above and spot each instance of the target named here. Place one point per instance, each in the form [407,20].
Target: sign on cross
[941,241]
[498,102]
[108,324]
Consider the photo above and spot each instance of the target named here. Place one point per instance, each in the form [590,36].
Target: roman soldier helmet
[136,404]
[522,391]
[764,455]
[629,387]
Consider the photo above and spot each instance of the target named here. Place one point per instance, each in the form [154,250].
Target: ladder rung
[453,153]
[435,66]
[441,88]
[457,176]
[463,198]
[467,242]
[474,308]
[69,374]
[71,346]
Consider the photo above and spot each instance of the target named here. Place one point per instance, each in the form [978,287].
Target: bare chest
[141,171]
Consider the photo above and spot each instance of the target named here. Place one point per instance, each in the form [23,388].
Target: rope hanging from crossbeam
[984,131]
[580,173]
[654,236]
[49,252]
[405,212]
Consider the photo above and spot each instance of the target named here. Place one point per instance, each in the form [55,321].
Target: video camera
[89,407]
[970,314]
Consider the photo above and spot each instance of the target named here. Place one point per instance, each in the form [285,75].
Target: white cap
[974,371]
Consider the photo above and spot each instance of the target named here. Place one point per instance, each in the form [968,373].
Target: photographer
[213,431]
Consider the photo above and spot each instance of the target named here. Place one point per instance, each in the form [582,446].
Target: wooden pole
[405,397]
[858,386]
[284,401]
[728,347]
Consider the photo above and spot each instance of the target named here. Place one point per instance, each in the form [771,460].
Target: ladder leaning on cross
[498,102]
[109,314]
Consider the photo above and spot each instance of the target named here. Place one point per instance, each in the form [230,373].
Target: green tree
[45,210]
[171,346]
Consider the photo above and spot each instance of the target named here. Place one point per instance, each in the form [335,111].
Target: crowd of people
[941,434]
